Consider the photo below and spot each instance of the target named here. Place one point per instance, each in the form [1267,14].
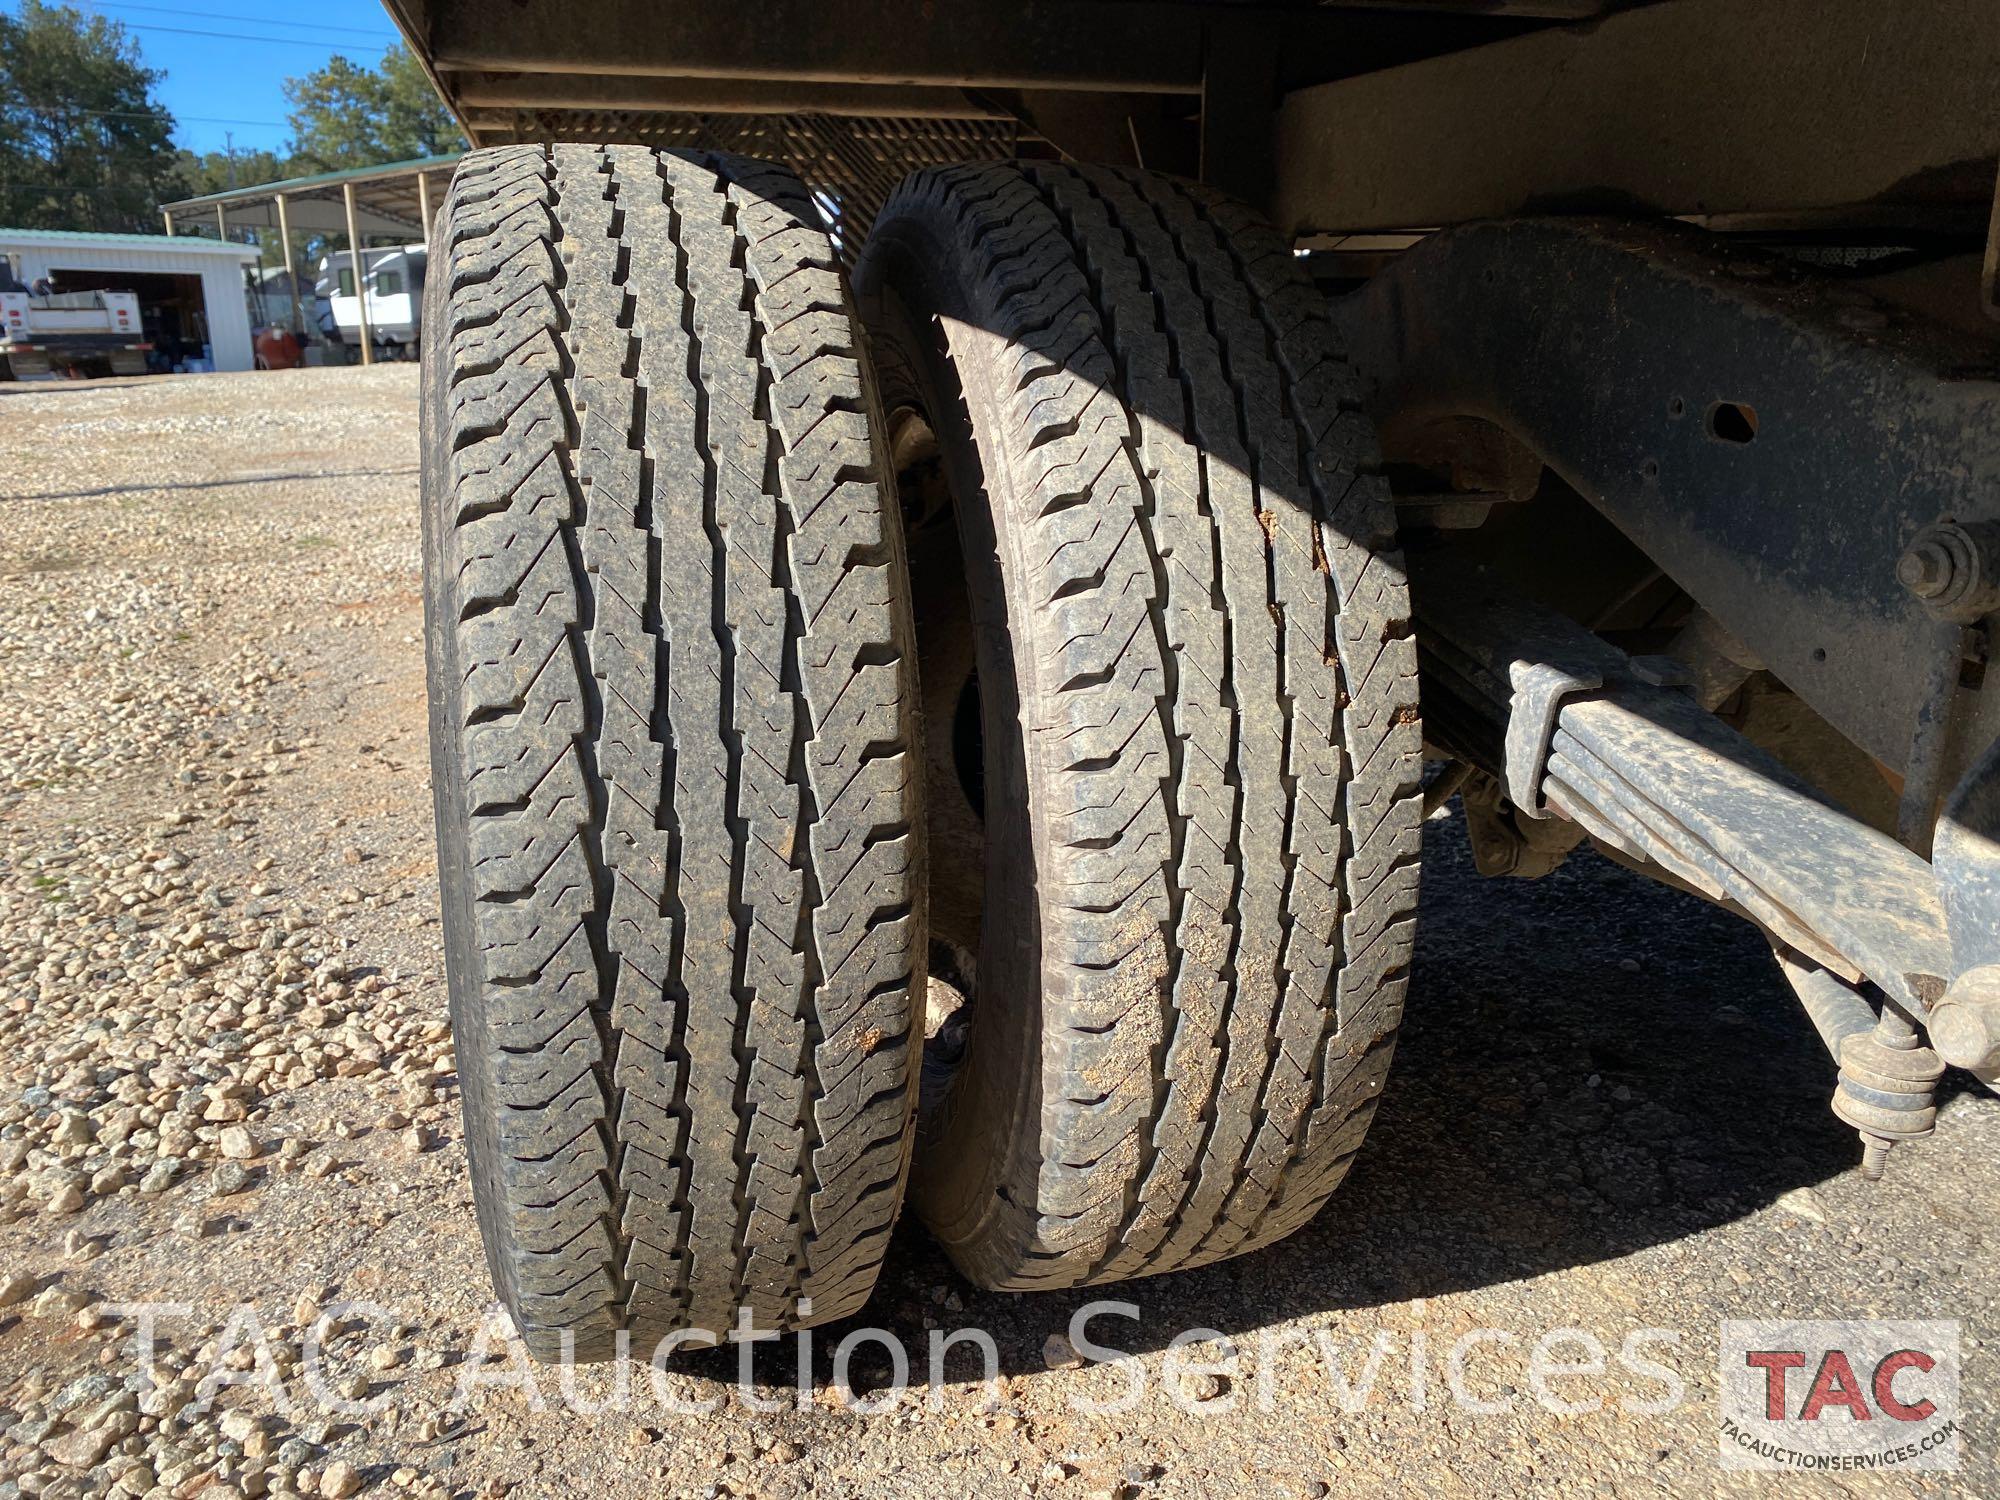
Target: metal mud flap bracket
[1617,748]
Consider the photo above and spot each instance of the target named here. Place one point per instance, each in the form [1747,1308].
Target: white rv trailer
[395,292]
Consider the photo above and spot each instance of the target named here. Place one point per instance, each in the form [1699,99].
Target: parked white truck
[47,334]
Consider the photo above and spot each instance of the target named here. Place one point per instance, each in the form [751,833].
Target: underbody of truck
[1594,414]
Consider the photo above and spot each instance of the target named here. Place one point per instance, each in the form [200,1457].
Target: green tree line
[85,144]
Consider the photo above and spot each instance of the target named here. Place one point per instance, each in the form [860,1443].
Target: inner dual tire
[1197,695]
[679,780]
[1181,631]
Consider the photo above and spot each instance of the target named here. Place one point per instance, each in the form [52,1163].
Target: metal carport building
[392,201]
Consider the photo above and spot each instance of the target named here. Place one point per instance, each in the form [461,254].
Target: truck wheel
[671,692]
[1196,742]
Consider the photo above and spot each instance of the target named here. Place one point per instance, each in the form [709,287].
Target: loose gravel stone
[159,1177]
[1058,1353]
[17,1286]
[66,1199]
[82,1447]
[228,1179]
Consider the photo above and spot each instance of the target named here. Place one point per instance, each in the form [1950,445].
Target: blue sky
[217,83]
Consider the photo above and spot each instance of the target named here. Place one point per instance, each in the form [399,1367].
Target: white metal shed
[149,260]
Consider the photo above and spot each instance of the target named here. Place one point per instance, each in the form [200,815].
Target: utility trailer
[1033,503]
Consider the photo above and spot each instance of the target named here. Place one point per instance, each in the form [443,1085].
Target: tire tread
[681,773]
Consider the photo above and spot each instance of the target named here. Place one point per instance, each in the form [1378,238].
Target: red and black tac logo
[1836,1384]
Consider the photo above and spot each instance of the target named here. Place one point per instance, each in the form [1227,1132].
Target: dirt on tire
[1201,748]
[672,699]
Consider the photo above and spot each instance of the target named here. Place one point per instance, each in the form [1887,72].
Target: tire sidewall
[465,972]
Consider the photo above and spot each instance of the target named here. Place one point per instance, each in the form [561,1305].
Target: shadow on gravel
[1589,1065]
[216,484]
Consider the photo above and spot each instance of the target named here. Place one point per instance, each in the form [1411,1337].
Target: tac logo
[1839,1396]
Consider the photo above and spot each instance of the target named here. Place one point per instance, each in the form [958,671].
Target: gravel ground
[226,1084]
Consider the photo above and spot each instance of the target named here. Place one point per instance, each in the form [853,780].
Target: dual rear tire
[680,779]
[1198,728]
[671,691]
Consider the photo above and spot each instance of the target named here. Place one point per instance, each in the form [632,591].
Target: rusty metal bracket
[1774,439]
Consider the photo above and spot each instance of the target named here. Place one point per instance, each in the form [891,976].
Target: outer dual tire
[672,699]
